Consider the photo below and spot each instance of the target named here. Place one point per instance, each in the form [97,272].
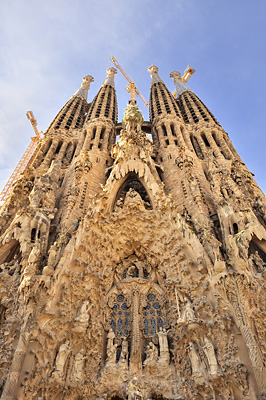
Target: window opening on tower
[93,133]
[205,140]
[58,147]
[196,147]
[164,130]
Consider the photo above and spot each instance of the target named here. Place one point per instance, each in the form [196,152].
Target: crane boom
[25,160]
[131,87]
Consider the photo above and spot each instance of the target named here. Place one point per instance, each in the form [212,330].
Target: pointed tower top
[110,77]
[180,85]
[83,90]
[154,74]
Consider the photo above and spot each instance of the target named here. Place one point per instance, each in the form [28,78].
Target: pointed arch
[133,181]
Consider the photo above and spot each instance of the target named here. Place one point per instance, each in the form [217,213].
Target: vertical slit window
[205,140]
[58,148]
[196,147]
[173,130]
[164,130]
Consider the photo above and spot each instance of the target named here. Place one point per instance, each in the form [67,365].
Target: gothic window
[119,316]
[152,315]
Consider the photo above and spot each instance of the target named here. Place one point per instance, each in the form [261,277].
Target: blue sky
[48,46]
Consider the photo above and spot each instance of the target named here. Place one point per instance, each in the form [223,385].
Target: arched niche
[9,250]
[133,182]
[259,247]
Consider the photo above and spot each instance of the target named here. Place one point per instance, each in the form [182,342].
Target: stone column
[135,356]
[17,362]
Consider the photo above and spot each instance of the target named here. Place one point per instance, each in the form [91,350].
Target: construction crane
[131,85]
[187,74]
[25,160]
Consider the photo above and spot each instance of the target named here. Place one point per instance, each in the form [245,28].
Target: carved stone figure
[133,200]
[150,363]
[82,319]
[78,367]
[123,360]
[188,314]
[164,349]
[110,339]
[195,361]
[53,253]
[111,355]
[61,358]
[210,354]
[132,391]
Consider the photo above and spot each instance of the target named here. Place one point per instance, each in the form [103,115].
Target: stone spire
[180,85]
[154,74]
[162,101]
[104,103]
[72,115]
[110,77]
[85,86]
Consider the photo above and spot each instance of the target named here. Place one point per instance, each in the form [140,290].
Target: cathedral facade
[131,267]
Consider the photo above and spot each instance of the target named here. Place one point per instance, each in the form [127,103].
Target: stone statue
[31,266]
[35,253]
[163,343]
[210,354]
[61,358]
[188,314]
[124,354]
[132,390]
[110,339]
[53,252]
[194,359]
[77,369]
[150,363]
[133,200]
[111,355]
[82,319]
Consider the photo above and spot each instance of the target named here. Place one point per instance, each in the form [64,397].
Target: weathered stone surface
[133,269]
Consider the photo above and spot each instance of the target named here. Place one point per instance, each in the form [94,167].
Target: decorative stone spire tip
[180,85]
[110,77]
[154,74]
[85,86]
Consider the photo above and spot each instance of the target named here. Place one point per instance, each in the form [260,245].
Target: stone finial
[110,77]
[176,76]
[85,86]
[180,85]
[154,74]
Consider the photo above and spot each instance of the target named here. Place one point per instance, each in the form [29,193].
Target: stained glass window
[146,327]
[119,317]
[153,326]
[152,315]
